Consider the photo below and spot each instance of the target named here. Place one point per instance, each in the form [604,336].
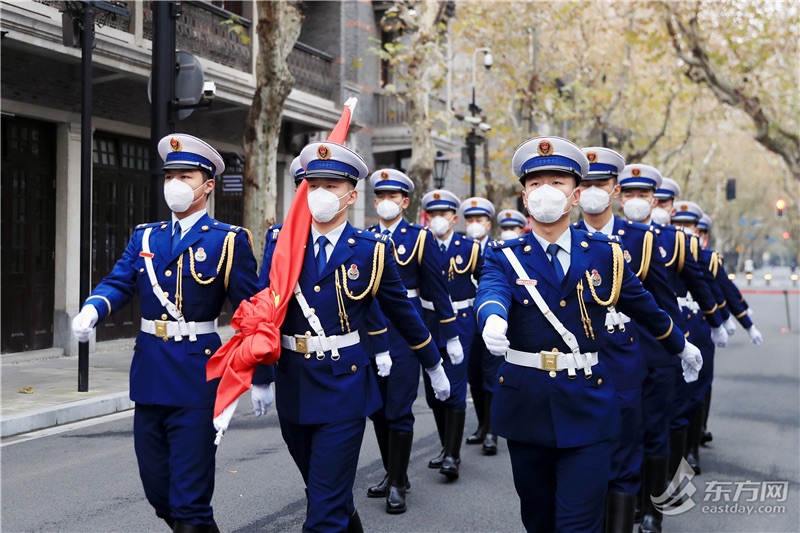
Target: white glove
[83,323]
[730,326]
[384,363]
[494,335]
[755,335]
[750,312]
[262,397]
[719,336]
[222,421]
[691,362]
[455,351]
[439,382]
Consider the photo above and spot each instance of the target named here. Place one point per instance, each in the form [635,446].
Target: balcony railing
[112,21]
[313,71]
[391,110]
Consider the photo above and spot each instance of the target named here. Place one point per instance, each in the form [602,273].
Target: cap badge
[474,203]
[437,196]
[323,152]
[200,255]
[401,249]
[591,156]
[508,215]
[175,145]
[627,255]
[635,172]
[352,272]
[545,148]
[684,207]
[596,279]
[384,175]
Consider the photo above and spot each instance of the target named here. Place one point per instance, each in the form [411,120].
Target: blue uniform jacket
[421,268]
[733,296]
[174,372]
[530,405]
[312,391]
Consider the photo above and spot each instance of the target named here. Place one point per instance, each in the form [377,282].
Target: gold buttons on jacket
[208,351]
[307,356]
[562,303]
[464,315]
[599,381]
[141,270]
[354,368]
[163,316]
[168,273]
[204,228]
[525,301]
[166,294]
[584,244]
[316,288]
[500,379]
[527,248]
[552,373]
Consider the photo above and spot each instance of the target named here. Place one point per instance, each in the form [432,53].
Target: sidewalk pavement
[40,389]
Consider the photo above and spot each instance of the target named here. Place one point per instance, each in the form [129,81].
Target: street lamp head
[488,60]
[484,126]
[440,165]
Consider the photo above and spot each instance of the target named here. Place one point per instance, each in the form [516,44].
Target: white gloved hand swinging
[494,335]
[730,326]
[384,363]
[455,351]
[755,335]
[262,397]
[84,322]
[719,337]
[439,382]
[691,362]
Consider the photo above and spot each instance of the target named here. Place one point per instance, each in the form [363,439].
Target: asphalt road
[83,478]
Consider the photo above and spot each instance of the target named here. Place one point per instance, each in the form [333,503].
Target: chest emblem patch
[352,272]
[662,251]
[401,249]
[596,279]
[200,255]
[627,255]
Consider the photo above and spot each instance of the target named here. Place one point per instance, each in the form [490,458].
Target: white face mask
[439,225]
[324,205]
[180,195]
[637,209]
[547,204]
[476,230]
[594,200]
[687,230]
[387,210]
[660,215]
[508,234]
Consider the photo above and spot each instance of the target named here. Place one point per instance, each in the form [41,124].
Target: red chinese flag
[257,322]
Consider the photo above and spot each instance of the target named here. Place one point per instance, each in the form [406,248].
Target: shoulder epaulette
[370,235]
[216,224]
[639,226]
[602,237]
[150,225]
[506,243]
[415,226]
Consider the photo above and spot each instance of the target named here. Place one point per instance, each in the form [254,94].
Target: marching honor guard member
[620,351]
[183,270]
[541,301]
[482,365]
[512,224]
[324,382]
[420,270]
[462,262]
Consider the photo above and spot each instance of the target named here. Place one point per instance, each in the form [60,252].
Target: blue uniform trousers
[658,392]
[627,447]
[327,457]
[699,388]
[398,391]
[561,489]
[175,451]
[483,366]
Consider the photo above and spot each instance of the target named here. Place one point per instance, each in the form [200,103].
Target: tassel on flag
[257,322]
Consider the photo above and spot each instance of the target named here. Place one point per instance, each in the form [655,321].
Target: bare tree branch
[641,154]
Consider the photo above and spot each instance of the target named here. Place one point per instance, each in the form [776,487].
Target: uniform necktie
[442,247]
[322,255]
[176,236]
[553,249]
[386,232]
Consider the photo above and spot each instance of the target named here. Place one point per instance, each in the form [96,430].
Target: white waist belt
[305,344]
[457,306]
[688,302]
[168,329]
[412,293]
[555,361]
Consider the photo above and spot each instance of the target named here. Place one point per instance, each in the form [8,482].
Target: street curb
[65,413]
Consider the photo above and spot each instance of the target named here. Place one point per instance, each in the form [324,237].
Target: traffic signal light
[780,209]
[730,189]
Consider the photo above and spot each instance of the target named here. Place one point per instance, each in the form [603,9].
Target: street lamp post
[473,138]
[440,165]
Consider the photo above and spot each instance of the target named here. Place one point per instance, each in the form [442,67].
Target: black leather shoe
[379,490]
[454,432]
[706,437]
[450,466]
[436,462]
[489,444]
[477,437]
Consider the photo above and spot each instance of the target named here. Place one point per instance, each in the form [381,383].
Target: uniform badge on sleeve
[401,249]
[627,255]
[352,272]
[662,251]
[200,255]
[596,279]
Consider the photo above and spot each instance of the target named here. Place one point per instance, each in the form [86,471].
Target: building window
[105,152]
[232,6]
[135,156]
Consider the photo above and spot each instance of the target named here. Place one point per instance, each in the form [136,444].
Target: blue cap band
[553,160]
[391,185]
[603,167]
[640,182]
[195,160]
[511,223]
[664,194]
[440,204]
[702,225]
[321,165]
[685,216]
[477,211]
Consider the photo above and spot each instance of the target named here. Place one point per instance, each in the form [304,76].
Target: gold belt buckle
[161,329]
[301,345]
[549,361]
